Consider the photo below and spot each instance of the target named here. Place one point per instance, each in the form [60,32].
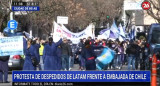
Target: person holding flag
[89,55]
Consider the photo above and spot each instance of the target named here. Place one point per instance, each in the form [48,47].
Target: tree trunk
[4,19]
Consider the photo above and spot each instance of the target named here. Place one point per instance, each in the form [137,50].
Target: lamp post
[11,13]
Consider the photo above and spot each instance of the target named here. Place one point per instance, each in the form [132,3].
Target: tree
[98,10]
[154,11]
[80,13]
[4,13]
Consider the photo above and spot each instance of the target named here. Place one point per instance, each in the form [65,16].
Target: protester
[116,57]
[31,53]
[137,61]
[50,55]
[78,53]
[71,59]
[125,54]
[4,69]
[36,44]
[59,59]
[104,42]
[66,53]
[41,66]
[120,55]
[89,55]
[132,51]
[111,45]
[97,51]
[142,54]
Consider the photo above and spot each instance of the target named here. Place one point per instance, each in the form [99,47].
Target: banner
[105,58]
[11,45]
[74,37]
[81,76]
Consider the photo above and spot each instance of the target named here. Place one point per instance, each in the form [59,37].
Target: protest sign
[11,45]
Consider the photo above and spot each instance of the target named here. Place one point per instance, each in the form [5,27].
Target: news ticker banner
[81,76]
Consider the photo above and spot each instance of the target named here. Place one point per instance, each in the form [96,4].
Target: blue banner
[81,76]
[25,8]
[11,45]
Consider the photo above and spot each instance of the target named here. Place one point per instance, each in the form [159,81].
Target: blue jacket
[50,56]
[59,60]
[89,52]
[28,63]
[24,45]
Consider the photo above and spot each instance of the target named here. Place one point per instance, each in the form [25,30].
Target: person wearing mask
[89,55]
[31,53]
[66,54]
[50,54]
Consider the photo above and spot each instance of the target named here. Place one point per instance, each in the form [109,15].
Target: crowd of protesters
[63,54]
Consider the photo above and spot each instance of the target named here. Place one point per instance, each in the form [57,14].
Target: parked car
[15,62]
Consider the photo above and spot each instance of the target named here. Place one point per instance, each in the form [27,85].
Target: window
[156,36]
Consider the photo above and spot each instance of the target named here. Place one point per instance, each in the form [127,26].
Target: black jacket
[66,49]
[132,49]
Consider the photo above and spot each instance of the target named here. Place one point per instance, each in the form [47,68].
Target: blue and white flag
[112,35]
[28,35]
[115,29]
[106,33]
[122,33]
[128,36]
[102,31]
[132,33]
[105,58]
[121,38]
[124,29]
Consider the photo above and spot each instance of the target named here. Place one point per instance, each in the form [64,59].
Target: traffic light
[107,17]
